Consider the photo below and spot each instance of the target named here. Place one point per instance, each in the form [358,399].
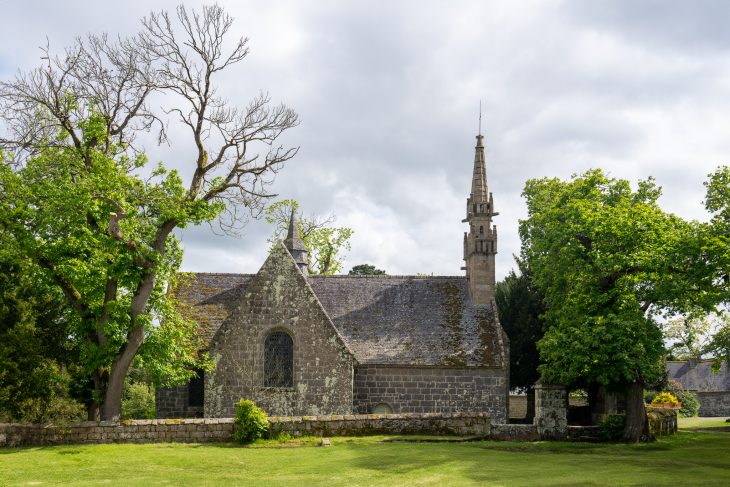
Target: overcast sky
[388,95]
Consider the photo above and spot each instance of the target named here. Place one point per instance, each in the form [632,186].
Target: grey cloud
[388,95]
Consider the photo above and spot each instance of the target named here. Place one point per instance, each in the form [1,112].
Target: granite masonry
[305,345]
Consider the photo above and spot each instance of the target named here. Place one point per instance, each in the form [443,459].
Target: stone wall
[279,299]
[514,432]
[551,411]
[459,424]
[173,402]
[221,429]
[137,431]
[714,403]
[661,421]
[518,406]
[425,390]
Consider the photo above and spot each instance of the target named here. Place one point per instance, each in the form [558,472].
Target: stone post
[551,411]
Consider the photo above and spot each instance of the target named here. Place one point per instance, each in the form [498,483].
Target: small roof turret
[295,245]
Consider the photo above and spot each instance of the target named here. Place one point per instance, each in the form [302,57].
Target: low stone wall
[458,424]
[661,421]
[221,429]
[714,403]
[583,433]
[514,432]
[138,431]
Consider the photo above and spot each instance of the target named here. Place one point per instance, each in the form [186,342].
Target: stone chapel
[316,345]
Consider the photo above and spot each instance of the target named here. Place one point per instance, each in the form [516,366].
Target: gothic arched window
[278,360]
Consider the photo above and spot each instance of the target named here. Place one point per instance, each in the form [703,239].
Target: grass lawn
[687,458]
[695,423]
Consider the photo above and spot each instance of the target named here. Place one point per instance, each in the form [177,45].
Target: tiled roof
[698,376]
[393,320]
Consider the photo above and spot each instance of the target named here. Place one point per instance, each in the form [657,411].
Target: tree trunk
[92,410]
[112,407]
[635,425]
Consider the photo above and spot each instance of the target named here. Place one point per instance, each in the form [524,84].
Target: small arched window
[481,230]
[278,360]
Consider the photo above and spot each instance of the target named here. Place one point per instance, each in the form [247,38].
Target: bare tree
[236,158]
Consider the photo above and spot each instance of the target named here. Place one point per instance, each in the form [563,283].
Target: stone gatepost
[551,411]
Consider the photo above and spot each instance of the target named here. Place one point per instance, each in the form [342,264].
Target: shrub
[690,404]
[666,398]
[675,387]
[612,427]
[649,396]
[138,401]
[250,423]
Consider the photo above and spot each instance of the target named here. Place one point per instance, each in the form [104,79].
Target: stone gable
[279,298]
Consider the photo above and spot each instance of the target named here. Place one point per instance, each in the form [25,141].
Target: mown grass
[695,423]
[687,458]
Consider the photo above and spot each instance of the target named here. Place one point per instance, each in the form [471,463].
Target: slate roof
[384,320]
[699,376]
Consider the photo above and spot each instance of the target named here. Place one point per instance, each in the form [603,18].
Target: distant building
[712,389]
[310,345]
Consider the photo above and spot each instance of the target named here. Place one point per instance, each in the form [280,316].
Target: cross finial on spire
[480,136]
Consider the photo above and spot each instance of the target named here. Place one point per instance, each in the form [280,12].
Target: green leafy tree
[690,335]
[715,248]
[138,399]
[325,243]
[37,357]
[609,261]
[86,207]
[520,306]
[717,252]
[365,270]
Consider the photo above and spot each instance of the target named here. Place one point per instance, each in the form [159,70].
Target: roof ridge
[384,276]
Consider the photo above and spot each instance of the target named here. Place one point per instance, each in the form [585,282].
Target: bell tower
[480,242]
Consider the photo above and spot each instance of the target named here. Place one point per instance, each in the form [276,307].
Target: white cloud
[388,95]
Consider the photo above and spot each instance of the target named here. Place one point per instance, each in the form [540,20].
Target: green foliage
[365,270]
[715,245]
[665,398]
[250,423]
[649,396]
[689,400]
[690,335]
[690,404]
[520,306]
[719,345]
[81,203]
[91,226]
[612,427]
[606,258]
[37,346]
[138,399]
[325,243]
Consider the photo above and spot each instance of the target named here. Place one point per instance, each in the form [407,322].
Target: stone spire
[480,243]
[479,189]
[295,245]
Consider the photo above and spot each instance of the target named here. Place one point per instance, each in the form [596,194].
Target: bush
[251,422]
[612,427]
[138,401]
[690,404]
[675,387]
[649,396]
[666,398]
